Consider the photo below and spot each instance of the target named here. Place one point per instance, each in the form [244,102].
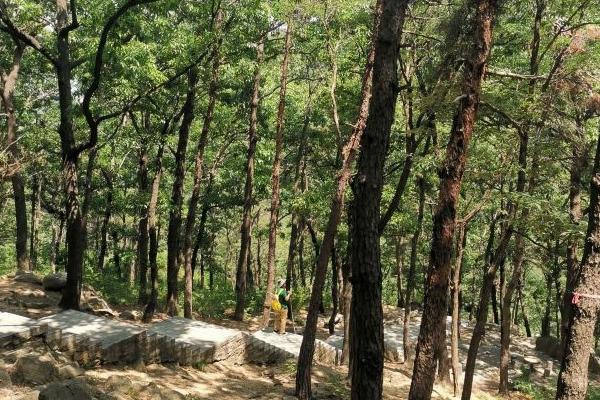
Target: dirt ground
[219,380]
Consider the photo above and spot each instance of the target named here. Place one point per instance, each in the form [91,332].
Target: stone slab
[97,329]
[290,343]
[88,337]
[195,341]
[13,326]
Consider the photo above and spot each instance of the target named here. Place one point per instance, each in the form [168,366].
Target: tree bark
[303,372]
[506,321]
[142,238]
[400,245]
[335,267]
[461,241]
[195,196]
[152,227]
[412,271]
[366,341]
[175,218]
[36,198]
[8,84]
[579,162]
[573,378]
[451,174]
[275,178]
[105,221]
[246,227]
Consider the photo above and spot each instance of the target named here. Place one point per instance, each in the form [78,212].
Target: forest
[426,165]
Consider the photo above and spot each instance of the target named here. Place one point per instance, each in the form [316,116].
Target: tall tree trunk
[434,311]
[105,222]
[335,267]
[195,197]
[142,238]
[116,253]
[347,290]
[579,162]
[303,373]
[494,299]
[246,227]
[152,227]
[547,318]
[573,378]
[175,218]
[506,323]
[461,241]
[9,82]
[400,245]
[275,178]
[366,341]
[56,241]
[36,198]
[412,271]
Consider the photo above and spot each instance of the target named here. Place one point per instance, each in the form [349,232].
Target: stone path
[90,339]
[288,346]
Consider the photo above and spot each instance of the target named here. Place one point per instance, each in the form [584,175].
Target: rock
[67,390]
[139,365]
[97,305]
[30,396]
[28,277]
[5,380]
[55,282]
[119,384]
[69,371]
[154,391]
[35,369]
[131,315]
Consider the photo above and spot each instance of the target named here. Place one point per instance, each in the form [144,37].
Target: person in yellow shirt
[284,297]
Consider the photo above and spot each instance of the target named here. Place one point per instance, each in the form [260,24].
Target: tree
[276,173]
[573,376]
[175,217]
[444,219]
[246,227]
[8,83]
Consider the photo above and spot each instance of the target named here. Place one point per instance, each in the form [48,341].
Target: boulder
[131,315]
[30,396]
[5,380]
[97,305]
[67,390]
[55,282]
[69,371]
[28,277]
[35,369]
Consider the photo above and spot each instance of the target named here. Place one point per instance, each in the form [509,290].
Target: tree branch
[24,37]
[514,75]
[97,72]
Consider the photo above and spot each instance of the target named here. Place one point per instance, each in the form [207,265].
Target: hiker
[283,296]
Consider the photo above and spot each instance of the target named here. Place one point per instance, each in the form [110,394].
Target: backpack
[275,304]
